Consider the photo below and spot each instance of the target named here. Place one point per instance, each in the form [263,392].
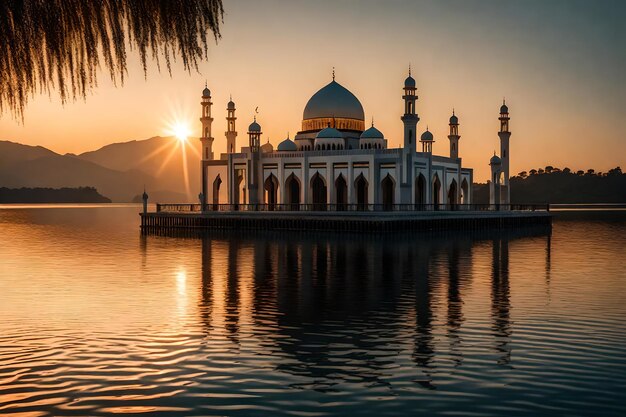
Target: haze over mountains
[118,171]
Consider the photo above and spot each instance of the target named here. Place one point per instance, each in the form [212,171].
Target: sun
[181,131]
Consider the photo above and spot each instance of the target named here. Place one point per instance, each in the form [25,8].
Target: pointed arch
[464,192]
[292,190]
[436,192]
[270,191]
[420,192]
[318,192]
[388,189]
[452,192]
[341,192]
[361,187]
[216,192]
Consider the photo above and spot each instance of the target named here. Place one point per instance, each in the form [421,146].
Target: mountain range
[119,171]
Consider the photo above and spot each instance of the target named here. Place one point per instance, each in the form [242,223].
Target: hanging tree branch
[59,45]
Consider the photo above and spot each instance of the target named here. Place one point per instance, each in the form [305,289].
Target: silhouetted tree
[60,44]
[566,170]
[549,169]
[541,171]
[591,172]
[533,172]
[580,172]
[522,174]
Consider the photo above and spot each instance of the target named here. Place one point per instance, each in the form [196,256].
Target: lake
[97,319]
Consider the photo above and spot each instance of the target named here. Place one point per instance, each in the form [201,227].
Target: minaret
[254,141]
[254,134]
[410,117]
[454,136]
[231,132]
[495,187]
[206,120]
[504,135]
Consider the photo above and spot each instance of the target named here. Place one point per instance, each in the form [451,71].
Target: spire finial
[453,111]
[409,69]
[503,100]
[333,73]
[287,135]
[231,97]
[427,128]
[372,121]
[206,84]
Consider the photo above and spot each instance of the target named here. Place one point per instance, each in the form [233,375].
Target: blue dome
[334,100]
[427,136]
[454,120]
[254,127]
[230,105]
[495,160]
[504,108]
[329,133]
[206,92]
[287,145]
[409,82]
[372,133]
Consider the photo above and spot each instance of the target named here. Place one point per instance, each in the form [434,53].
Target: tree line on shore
[562,186]
[51,195]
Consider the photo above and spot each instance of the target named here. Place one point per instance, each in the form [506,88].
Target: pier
[342,218]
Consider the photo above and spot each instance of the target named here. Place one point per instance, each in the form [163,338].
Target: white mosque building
[334,162]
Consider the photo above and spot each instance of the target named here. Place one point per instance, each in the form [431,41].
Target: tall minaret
[254,141]
[231,133]
[454,136]
[206,120]
[410,117]
[505,134]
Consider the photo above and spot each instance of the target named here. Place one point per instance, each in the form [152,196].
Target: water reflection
[318,301]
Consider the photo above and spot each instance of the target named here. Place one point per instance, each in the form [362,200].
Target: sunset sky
[561,65]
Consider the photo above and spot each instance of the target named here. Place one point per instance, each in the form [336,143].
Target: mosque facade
[336,162]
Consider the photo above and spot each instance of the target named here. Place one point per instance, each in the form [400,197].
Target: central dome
[334,100]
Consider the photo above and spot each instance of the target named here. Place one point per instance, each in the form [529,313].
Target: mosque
[335,162]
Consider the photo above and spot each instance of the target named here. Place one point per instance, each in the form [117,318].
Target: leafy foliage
[553,185]
[60,44]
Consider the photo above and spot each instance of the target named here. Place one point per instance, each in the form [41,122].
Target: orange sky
[560,65]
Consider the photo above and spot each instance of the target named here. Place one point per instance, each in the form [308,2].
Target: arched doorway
[464,192]
[216,192]
[292,187]
[341,192]
[271,192]
[452,195]
[388,189]
[436,192]
[318,192]
[361,187]
[420,192]
[240,189]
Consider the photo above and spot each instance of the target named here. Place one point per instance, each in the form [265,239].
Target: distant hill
[555,186]
[51,195]
[118,171]
[160,157]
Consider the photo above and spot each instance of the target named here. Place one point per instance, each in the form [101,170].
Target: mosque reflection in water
[370,304]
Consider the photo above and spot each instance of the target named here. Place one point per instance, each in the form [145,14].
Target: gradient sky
[561,65]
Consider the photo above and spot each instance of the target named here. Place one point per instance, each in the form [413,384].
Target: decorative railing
[197,208]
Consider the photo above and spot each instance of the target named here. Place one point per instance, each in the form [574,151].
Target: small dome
[287,145]
[427,136]
[206,92]
[454,120]
[372,133]
[409,82]
[329,133]
[230,105]
[495,160]
[504,108]
[267,147]
[254,127]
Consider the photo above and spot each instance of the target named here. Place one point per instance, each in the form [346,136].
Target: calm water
[97,320]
